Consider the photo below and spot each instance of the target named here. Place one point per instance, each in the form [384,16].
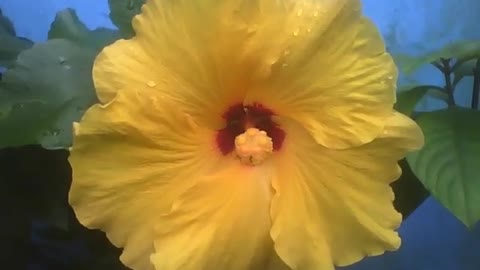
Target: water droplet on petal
[309,30]
[286,52]
[295,32]
[151,83]
[315,13]
[299,12]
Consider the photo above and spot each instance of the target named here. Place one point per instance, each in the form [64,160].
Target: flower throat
[240,118]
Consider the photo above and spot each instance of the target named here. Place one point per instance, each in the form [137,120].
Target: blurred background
[433,239]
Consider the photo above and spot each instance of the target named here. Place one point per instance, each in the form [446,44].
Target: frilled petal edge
[334,207]
[131,159]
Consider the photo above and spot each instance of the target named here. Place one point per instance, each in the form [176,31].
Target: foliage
[10,44]
[408,98]
[48,88]
[462,51]
[68,26]
[448,163]
[122,13]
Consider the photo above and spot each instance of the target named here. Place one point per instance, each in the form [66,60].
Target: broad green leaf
[67,25]
[462,51]
[407,100]
[48,88]
[464,69]
[448,164]
[10,45]
[6,26]
[122,13]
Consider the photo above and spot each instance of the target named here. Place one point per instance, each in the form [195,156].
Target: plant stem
[476,85]
[438,66]
[447,70]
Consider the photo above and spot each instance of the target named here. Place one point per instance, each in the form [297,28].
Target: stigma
[253,146]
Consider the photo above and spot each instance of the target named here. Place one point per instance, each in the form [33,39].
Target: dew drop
[309,30]
[130,5]
[62,60]
[299,12]
[55,132]
[286,52]
[295,32]
[315,13]
[151,83]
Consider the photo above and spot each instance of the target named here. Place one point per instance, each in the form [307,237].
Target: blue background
[432,237]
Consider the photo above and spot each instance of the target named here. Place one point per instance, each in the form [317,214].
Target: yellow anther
[253,146]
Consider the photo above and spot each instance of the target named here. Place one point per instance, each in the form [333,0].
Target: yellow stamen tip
[253,146]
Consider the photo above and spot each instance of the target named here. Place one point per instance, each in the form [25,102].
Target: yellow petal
[126,65]
[123,65]
[204,54]
[334,77]
[189,51]
[223,222]
[334,207]
[131,159]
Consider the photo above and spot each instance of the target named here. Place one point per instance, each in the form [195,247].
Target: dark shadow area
[409,191]
[38,229]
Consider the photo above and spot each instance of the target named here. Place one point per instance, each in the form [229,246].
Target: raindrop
[18,106]
[315,13]
[130,5]
[295,32]
[309,30]
[62,60]
[151,83]
[299,12]
[54,132]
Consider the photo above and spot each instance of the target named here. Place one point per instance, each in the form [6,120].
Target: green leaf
[122,13]
[6,26]
[448,164]
[10,45]
[49,87]
[463,69]
[408,99]
[462,51]
[67,25]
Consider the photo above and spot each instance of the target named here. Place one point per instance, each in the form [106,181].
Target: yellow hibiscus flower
[243,135]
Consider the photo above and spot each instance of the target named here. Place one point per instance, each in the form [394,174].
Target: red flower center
[238,118]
